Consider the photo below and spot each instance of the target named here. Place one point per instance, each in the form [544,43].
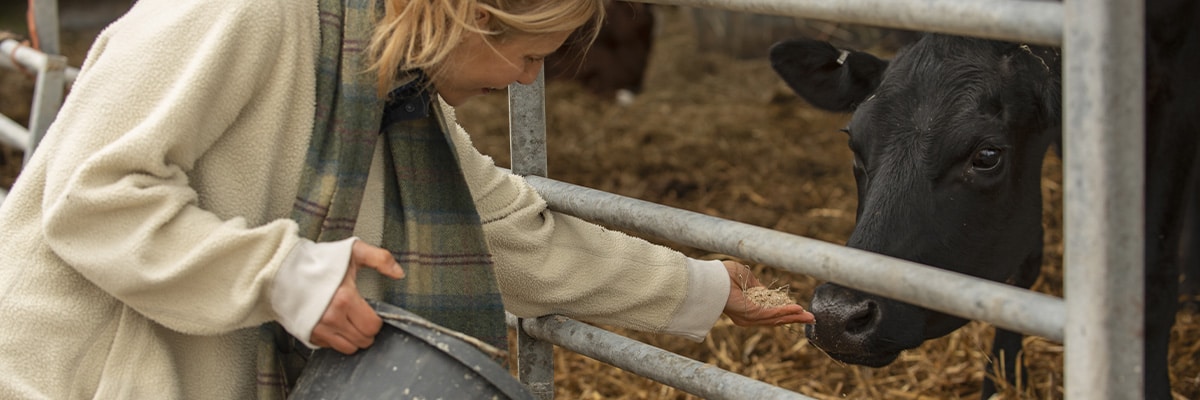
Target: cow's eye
[860,171]
[986,159]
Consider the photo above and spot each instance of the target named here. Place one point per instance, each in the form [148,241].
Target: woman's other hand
[349,323]
[744,312]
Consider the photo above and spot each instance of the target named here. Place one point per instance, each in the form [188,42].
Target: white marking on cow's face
[842,57]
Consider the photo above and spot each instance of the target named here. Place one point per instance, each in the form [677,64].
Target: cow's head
[948,140]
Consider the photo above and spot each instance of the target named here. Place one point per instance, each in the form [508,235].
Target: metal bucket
[411,358]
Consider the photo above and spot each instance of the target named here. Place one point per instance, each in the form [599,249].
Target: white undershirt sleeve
[305,284]
[708,290]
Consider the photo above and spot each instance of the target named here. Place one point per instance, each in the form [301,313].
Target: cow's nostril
[863,319]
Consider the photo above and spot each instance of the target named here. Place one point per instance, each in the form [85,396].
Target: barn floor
[725,137]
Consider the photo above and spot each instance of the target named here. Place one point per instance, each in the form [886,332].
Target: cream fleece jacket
[148,237]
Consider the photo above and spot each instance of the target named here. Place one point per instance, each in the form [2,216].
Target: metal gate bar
[51,75]
[50,80]
[966,296]
[1103,171]
[49,88]
[665,367]
[1029,21]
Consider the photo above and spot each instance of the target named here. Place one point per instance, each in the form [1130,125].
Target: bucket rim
[466,353]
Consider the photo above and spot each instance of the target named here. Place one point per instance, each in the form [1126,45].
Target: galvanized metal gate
[1099,321]
[51,73]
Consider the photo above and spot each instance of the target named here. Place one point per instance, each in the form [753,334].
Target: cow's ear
[828,78]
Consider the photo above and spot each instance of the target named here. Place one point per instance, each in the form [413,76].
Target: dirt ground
[723,136]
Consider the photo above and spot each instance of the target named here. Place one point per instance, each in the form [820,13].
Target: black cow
[948,140]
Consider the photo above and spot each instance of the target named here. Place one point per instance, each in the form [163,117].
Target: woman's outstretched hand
[349,323]
[744,312]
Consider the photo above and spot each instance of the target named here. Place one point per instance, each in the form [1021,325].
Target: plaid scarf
[431,224]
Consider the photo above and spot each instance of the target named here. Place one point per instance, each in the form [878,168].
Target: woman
[223,166]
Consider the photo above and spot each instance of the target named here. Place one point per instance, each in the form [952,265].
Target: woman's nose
[530,73]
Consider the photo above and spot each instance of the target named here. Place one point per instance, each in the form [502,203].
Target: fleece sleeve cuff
[305,284]
[708,290]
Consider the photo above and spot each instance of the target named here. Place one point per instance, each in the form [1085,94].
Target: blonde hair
[419,34]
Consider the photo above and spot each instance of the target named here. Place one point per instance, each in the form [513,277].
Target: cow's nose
[845,319]
[861,318]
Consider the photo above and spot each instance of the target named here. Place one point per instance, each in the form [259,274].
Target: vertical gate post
[527,144]
[45,21]
[1104,167]
[527,127]
[50,87]
[48,92]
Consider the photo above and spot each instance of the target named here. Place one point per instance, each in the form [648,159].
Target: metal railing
[1102,171]
[1102,201]
[51,76]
